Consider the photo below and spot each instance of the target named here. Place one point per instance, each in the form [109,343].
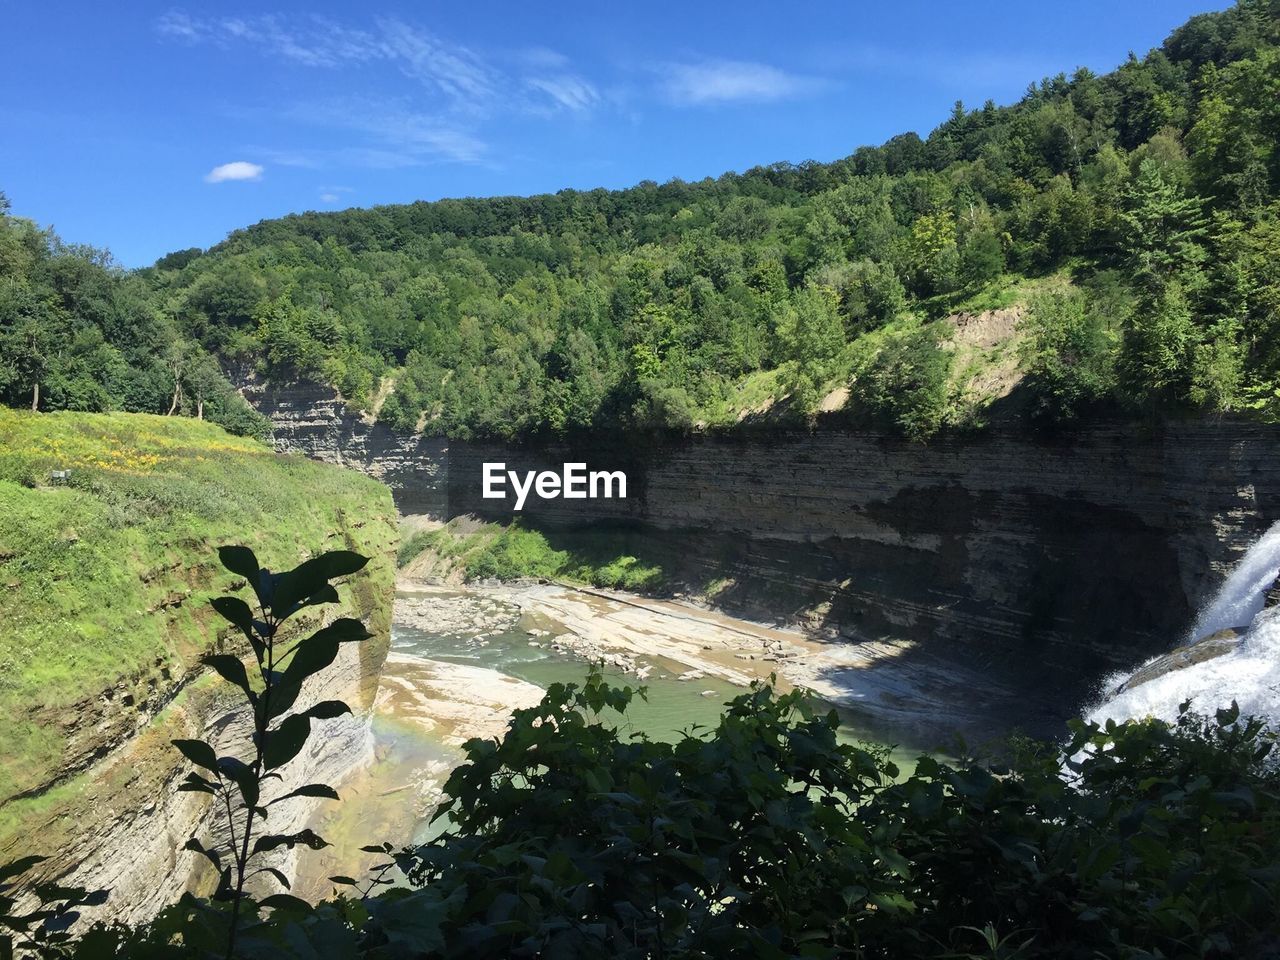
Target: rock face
[1062,558]
[313,420]
[114,818]
[1207,648]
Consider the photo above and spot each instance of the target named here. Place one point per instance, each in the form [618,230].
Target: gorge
[1050,560]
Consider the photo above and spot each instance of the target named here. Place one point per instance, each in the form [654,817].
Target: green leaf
[327,710]
[240,561]
[284,742]
[231,670]
[210,855]
[413,922]
[242,775]
[283,696]
[311,577]
[310,790]
[305,838]
[198,752]
[326,594]
[197,784]
[235,611]
[279,875]
[343,630]
[310,657]
[283,901]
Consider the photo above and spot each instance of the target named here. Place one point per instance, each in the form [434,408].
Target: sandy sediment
[454,702]
[893,683]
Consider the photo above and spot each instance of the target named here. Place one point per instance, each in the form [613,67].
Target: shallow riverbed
[462,659]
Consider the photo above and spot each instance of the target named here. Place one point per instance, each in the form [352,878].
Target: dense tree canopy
[79,333]
[1152,191]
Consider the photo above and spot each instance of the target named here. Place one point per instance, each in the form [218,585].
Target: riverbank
[899,690]
[464,656]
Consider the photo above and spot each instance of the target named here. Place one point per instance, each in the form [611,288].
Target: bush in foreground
[769,837]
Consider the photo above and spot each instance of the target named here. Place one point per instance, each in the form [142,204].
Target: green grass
[104,579]
[516,552]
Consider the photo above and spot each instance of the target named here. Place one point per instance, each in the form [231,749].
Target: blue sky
[147,128]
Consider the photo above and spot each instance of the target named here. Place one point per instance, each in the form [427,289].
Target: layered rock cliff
[1062,558]
[107,585]
[313,420]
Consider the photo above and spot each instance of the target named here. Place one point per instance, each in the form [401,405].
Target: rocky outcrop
[126,830]
[1061,557]
[313,420]
[111,816]
[1207,648]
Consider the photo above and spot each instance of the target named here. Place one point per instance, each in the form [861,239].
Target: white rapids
[1248,674]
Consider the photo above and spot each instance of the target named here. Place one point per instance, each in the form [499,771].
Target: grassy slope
[104,581]
[480,551]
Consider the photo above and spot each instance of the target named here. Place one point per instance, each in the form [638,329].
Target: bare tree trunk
[35,396]
[177,393]
[200,409]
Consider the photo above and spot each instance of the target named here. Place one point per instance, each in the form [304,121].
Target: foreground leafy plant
[770,838]
[44,930]
[278,734]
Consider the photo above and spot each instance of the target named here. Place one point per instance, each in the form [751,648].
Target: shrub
[1069,354]
[905,380]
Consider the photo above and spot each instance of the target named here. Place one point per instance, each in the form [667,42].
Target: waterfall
[1248,674]
[1240,598]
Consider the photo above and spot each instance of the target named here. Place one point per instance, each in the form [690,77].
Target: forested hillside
[78,333]
[1135,214]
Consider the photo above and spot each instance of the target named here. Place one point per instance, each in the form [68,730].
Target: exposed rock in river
[1208,648]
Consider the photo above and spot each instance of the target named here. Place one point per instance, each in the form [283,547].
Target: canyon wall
[313,420]
[1063,557]
[111,816]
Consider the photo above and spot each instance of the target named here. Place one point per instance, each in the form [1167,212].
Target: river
[462,658]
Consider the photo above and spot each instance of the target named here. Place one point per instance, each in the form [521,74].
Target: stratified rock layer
[1061,558]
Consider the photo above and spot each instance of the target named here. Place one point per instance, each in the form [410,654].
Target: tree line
[1149,192]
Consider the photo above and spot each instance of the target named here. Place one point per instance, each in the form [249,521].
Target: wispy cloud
[236,170]
[315,42]
[566,91]
[452,69]
[465,81]
[710,82]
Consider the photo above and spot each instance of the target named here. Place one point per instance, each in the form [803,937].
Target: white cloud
[396,136]
[330,197]
[177,24]
[236,170]
[536,80]
[566,91]
[318,42]
[452,69]
[730,81]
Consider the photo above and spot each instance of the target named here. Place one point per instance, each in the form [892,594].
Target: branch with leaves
[279,732]
[45,929]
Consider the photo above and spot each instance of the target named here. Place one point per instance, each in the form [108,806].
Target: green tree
[904,379]
[1159,348]
[1164,228]
[1070,354]
[1218,368]
[811,335]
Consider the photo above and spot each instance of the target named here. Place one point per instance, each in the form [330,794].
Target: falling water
[1248,674]
[1240,598]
